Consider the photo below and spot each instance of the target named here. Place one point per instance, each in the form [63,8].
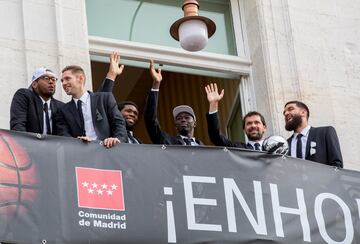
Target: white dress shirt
[192,140]
[132,135]
[304,138]
[252,143]
[88,121]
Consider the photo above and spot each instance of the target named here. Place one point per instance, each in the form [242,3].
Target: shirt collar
[43,101]
[84,98]
[252,143]
[191,138]
[304,132]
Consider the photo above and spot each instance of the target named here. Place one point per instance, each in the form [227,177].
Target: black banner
[61,190]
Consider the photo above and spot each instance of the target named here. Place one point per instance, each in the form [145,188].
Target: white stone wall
[34,33]
[309,50]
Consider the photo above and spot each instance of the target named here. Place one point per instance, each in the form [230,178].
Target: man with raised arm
[184,118]
[254,124]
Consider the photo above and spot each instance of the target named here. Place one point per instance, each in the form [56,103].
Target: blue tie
[299,146]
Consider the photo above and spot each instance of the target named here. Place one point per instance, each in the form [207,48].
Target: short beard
[183,132]
[294,123]
[256,137]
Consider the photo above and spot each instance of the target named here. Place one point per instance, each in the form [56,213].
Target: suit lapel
[310,138]
[179,140]
[182,142]
[289,143]
[93,101]
[52,107]
[39,111]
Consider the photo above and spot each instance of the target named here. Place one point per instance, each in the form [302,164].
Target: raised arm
[212,118]
[114,70]
[150,112]
[155,75]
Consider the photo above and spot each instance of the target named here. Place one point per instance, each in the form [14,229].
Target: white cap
[41,72]
[183,108]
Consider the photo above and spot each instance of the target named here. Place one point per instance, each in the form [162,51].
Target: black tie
[257,146]
[81,115]
[132,139]
[187,141]
[299,146]
[249,146]
[47,119]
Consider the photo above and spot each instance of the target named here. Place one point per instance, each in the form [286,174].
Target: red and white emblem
[100,189]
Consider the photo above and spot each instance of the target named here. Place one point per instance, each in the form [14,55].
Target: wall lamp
[193,31]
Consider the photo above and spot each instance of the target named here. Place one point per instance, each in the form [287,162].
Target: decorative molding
[169,55]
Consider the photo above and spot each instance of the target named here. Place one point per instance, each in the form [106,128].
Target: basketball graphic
[18,178]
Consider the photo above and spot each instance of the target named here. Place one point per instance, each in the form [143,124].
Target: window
[150,21]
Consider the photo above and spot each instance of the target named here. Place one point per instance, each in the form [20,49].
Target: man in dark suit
[128,109]
[319,144]
[184,118]
[89,116]
[254,124]
[33,109]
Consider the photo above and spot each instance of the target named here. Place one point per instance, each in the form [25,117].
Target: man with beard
[318,144]
[184,118]
[130,112]
[33,109]
[254,124]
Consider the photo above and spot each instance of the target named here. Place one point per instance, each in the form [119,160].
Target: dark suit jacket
[215,135]
[128,133]
[106,86]
[327,149]
[107,119]
[158,136]
[26,112]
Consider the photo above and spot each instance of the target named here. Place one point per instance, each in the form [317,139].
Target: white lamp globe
[193,35]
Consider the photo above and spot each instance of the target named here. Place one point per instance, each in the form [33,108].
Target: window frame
[239,66]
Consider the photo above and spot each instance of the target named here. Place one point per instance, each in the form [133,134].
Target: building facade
[276,50]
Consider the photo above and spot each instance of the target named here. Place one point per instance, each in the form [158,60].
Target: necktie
[47,119]
[299,146]
[187,141]
[81,115]
[132,139]
[257,146]
[249,146]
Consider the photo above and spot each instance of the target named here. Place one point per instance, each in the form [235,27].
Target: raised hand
[155,75]
[114,68]
[213,94]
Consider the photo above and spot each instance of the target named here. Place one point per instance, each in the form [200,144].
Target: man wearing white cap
[33,109]
[184,118]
